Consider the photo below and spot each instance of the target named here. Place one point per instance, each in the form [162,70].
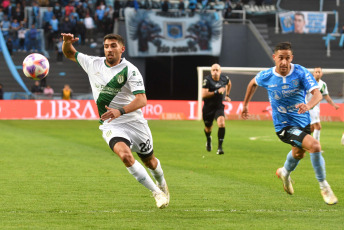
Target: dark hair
[301,14]
[117,37]
[283,46]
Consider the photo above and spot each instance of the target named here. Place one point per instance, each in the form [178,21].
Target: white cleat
[287,182]
[161,199]
[165,190]
[328,196]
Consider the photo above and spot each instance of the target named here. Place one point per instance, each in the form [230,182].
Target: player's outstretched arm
[330,101]
[67,46]
[251,89]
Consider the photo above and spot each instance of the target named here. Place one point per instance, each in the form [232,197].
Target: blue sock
[318,163]
[291,163]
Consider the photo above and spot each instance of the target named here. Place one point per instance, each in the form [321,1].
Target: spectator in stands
[227,11]
[69,9]
[67,92]
[36,88]
[48,91]
[165,6]
[80,31]
[59,53]
[15,26]
[5,26]
[21,36]
[33,35]
[1,92]
[299,23]
[181,6]
[35,14]
[47,16]
[192,5]
[54,22]
[5,4]
[57,10]
[18,13]
[117,5]
[67,25]
[80,10]
[89,24]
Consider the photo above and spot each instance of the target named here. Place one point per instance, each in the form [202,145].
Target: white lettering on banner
[229,107]
[152,109]
[39,110]
[63,105]
[65,110]
[192,109]
[240,108]
[89,108]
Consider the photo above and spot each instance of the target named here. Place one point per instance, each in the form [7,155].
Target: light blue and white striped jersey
[285,92]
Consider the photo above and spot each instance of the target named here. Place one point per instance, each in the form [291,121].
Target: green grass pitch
[62,175]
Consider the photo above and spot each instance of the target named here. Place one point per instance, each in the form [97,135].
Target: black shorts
[211,115]
[294,135]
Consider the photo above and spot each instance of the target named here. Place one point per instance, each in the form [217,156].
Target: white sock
[285,172]
[158,174]
[316,134]
[141,175]
[323,184]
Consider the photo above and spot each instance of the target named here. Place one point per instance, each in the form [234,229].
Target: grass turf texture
[62,175]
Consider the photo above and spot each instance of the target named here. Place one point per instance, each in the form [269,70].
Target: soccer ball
[36,66]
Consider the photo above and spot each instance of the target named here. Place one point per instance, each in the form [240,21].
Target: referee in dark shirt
[216,88]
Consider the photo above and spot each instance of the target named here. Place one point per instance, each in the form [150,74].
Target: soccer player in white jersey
[315,111]
[286,84]
[119,93]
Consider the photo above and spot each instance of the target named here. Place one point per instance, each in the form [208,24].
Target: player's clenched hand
[221,90]
[302,108]
[69,38]
[110,114]
[227,98]
[244,113]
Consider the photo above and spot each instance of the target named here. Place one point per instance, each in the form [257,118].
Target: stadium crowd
[22,22]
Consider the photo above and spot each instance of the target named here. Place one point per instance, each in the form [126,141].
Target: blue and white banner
[303,22]
[154,33]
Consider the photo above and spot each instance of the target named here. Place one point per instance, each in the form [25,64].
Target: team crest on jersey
[296,83]
[120,79]
[134,73]
[276,95]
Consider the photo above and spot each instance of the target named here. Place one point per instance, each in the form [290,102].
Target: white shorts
[315,115]
[138,133]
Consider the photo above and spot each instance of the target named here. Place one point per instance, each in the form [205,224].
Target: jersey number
[145,146]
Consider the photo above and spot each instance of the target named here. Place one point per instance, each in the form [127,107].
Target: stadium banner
[303,22]
[154,110]
[157,33]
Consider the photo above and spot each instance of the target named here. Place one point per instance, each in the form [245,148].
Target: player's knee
[299,154]
[316,147]
[127,158]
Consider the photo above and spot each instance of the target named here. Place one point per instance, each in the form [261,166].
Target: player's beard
[111,61]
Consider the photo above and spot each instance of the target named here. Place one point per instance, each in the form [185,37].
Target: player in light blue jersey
[287,85]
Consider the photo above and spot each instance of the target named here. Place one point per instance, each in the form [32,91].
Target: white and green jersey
[113,86]
[323,90]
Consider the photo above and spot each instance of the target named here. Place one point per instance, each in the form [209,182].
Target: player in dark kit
[216,88]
